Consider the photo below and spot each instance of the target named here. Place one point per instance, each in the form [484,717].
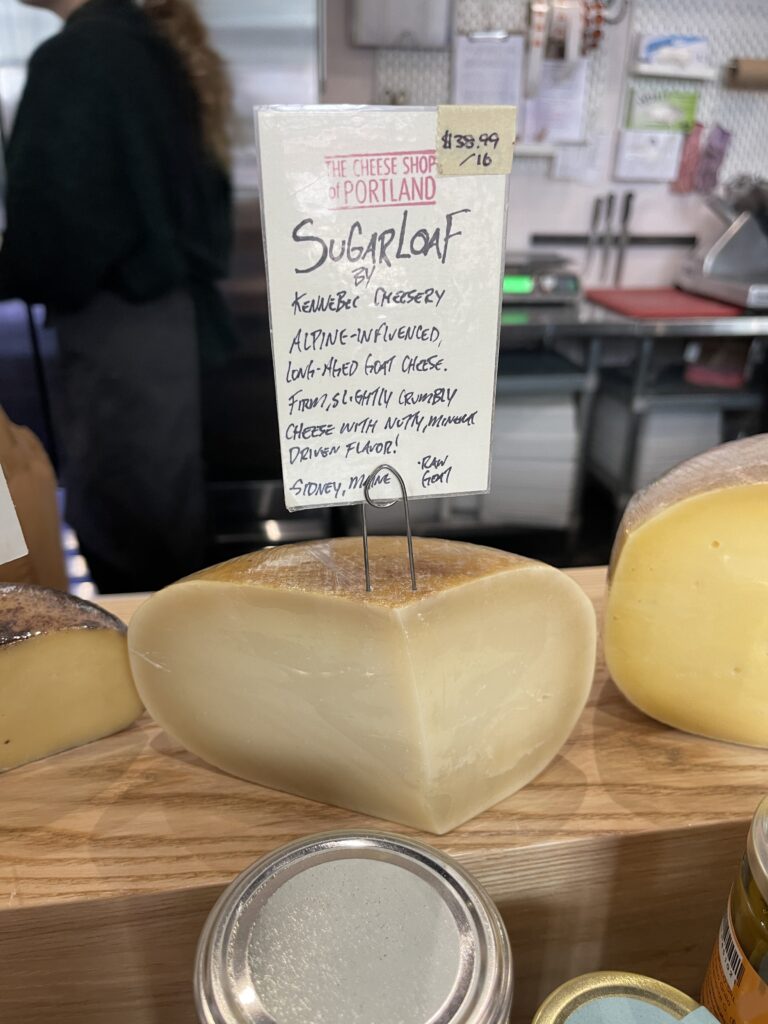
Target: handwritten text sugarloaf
[377,247]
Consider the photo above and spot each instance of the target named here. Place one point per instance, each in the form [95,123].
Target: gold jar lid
[612,990]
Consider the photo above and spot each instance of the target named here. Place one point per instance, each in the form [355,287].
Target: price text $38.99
[478,144]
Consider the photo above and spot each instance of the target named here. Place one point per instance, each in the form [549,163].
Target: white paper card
[12,543]
[648,156]
[587,164]
[558,112]
[384,291]
[488,70]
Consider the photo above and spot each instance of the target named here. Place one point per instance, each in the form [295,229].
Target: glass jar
[618,997]
[358,927]
[736,984]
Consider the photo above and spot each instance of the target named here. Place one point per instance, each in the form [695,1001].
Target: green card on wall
[671,110]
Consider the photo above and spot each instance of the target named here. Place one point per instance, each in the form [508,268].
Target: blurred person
[119,221]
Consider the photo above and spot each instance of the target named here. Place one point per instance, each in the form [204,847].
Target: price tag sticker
[12,544]
[475,139]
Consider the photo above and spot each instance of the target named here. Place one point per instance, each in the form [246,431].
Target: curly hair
[179,23]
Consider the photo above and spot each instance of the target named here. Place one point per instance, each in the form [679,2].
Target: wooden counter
[619,855]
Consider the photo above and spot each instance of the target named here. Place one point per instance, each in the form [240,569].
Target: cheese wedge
[423,708]
[64,674]
[686,623]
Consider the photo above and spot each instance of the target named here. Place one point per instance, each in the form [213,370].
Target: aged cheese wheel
[686,623]
[65,678]
[423,707]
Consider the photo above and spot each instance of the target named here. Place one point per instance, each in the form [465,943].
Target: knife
[597,212]
[626,213]
[610,202]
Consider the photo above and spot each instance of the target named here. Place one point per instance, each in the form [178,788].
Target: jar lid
[359,927]
[757,848]
[617,997]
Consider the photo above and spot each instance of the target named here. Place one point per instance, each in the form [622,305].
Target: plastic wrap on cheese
[422,708]
[686,622]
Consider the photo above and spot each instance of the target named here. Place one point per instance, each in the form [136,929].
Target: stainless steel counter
[590,335]
[586,320]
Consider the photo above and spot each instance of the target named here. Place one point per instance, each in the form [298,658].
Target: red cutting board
[659,303]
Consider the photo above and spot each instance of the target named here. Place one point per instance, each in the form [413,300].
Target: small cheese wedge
[65,678]
[686,622]
[423,708]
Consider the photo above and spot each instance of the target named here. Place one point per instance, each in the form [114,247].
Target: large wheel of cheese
[423,708]
[686,622]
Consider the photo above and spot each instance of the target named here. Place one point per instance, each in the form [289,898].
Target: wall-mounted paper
[488,69]
[587,164]
[648,156]
[673,50]
[558,112]
[671,110]
[12,543]
[384,290]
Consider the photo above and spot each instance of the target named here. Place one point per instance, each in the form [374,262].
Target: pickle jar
[354,927]
[736,983]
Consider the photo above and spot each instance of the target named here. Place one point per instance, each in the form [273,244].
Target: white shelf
[534,149]
[696,74]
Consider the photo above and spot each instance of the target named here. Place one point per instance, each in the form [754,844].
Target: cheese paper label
[384,291]
[12,543]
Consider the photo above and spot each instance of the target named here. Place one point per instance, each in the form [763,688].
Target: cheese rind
[734,464]
[65,678]
[423,708]
[686,621]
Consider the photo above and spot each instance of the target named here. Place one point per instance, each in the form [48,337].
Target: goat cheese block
[65,678]
[686,623]
[420,707]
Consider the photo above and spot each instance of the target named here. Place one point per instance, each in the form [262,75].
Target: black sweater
[109,186]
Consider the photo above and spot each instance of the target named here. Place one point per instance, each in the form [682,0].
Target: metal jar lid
[354,928]
[615,996]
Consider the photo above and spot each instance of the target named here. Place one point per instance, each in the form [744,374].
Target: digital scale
[541,279]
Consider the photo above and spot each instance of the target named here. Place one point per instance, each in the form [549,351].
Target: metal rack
[643,395]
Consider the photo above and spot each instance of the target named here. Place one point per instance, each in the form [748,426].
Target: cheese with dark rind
[65,678]
[421,707]
[686,621]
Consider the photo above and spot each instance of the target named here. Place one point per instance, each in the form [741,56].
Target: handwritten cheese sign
[12,543]
[384,290]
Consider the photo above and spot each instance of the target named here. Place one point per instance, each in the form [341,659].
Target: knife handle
[597,213]
[626,210]
[626,213]
[610,202]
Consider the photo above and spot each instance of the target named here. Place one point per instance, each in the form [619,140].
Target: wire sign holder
[380,264]
[386,503]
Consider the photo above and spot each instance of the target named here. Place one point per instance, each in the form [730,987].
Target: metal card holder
[386,503]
